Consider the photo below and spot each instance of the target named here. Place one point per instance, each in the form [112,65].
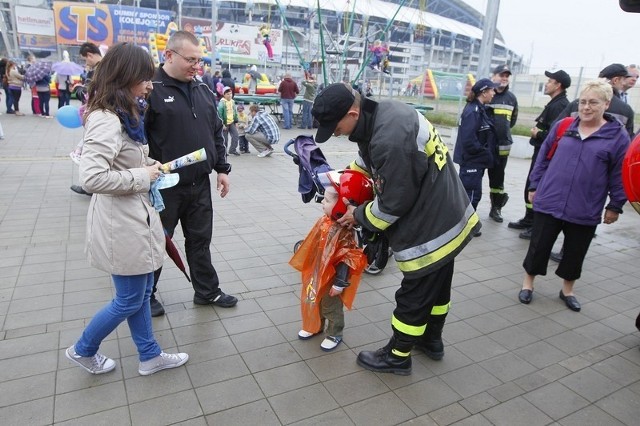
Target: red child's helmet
[631,173]
[353,185]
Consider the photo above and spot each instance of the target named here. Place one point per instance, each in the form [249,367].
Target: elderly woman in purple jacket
[569,190]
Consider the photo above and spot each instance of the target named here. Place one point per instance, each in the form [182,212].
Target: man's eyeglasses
[191,61]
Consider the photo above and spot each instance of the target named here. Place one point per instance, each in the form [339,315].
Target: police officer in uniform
[475,148]
[505,113]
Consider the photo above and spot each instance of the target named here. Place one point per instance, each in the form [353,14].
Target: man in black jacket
[182,118]
[556,87]
[616,74]
[505,114]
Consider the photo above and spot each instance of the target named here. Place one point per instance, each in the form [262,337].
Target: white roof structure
[385,10]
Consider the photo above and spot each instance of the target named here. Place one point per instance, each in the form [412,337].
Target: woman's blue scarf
[135,132]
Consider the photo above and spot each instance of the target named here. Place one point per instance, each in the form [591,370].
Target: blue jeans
[8,98]
[131,303]
[307,118]
[287,112]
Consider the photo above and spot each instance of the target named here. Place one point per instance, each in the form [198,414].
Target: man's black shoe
[222,300]
[79,190]
[526,234]
[383,361]
[520,224]
[556,257]
[157,310]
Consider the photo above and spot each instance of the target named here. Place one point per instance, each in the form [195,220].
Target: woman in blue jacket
[570,188]
[476,142]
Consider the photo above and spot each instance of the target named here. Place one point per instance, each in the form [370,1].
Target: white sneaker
[97,364]
[305,335]
[267,152]
[330,343]
[162,362]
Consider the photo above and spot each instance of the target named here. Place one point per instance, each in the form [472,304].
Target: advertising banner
[242,44]
[76,23]
[37,42]
[31,20]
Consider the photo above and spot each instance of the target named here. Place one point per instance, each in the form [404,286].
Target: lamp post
[214,20]
[180,14]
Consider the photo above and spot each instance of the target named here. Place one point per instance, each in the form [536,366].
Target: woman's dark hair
[471,96]
[123,67]
[226,74]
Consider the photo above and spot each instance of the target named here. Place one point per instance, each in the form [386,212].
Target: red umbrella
[174,254]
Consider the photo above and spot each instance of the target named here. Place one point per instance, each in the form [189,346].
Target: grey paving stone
[541,354]
[450,414]
[295,405]
[27,389]
[590,384]
[475,420]
[624,405]
[28,344]
[334,364]
[590,415]
[116,416]
[355,387]
[619,370]
[385,409]
[542,377]
[29,365]
[227,394]
[89,400]
[556,400]
[217,370]
[166,409]
[470,380]
[480,348]
[33,412]
[253,413]
[209,349]
[286,378]
[506,391]
[479,402]
[527,414]
[428,395]
[270,357]
[459,331]
[507,367]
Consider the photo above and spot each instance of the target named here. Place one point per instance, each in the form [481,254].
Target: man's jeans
[287,112]
[307,118]
[131,303]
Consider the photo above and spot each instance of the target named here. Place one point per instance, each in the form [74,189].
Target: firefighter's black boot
[524,223]
[431,341]
[385,361]
[498,201]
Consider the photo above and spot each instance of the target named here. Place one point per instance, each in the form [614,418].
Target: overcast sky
[568,34]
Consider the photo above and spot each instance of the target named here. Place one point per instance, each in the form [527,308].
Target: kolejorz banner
[106,24]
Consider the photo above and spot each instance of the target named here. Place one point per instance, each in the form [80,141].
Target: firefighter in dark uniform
[476,147]
[556,87]
[419,204]
[505,114]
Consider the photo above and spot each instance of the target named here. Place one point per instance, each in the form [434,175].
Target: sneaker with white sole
[306,335]
[162,362]
[330,343]
[97,364]
[267,152]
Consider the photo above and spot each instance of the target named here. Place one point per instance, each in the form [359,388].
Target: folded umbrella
[174,254]
[67,68]
[37,71]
